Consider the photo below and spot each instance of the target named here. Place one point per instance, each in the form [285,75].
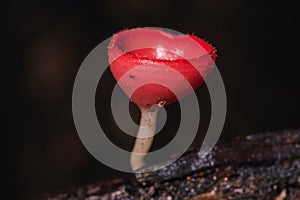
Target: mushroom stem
[144,137]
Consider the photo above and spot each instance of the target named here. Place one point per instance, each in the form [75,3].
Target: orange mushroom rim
[134,57]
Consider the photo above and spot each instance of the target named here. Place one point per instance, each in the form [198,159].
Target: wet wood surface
[257,166]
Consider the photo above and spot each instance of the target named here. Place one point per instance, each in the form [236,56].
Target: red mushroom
[146,63]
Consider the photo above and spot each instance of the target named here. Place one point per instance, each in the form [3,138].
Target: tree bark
[258,166]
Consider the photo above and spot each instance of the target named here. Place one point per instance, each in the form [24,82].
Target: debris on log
[258,166]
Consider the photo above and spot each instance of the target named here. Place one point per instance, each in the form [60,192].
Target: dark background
[44,42]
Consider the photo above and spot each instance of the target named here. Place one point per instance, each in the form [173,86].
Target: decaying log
[258,166]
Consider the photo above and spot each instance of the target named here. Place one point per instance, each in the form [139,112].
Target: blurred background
[44,42]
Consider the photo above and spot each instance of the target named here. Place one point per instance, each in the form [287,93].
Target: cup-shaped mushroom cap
[152,65]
